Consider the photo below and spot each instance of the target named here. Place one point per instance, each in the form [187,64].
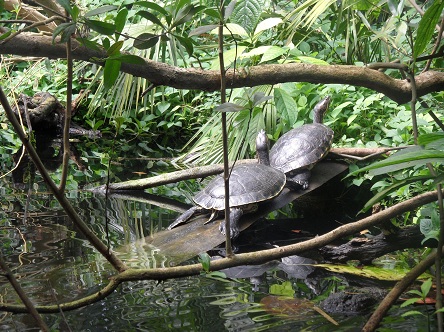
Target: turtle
[298,150]
[250,184]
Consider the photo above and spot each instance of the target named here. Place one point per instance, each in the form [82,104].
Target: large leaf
[110,72]
[153,6]
[403,159]
[426,27]
[103,28]
[145,40]
[202,29]
[267,24]
[286,105]
[432,140]
[100,10]
[247,13]
[120,19]
[272,53]
[150,17]
[66,5]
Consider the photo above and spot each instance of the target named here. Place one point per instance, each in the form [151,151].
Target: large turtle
[298,150]
[249,184]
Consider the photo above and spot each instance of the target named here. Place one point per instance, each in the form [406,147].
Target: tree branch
[157,73]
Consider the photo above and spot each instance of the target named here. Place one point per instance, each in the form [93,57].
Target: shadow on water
[54,263]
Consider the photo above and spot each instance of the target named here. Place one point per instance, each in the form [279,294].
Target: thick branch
[29,44]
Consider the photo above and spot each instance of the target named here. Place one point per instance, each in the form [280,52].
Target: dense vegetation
[184,124]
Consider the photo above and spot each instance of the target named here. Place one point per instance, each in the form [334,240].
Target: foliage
[421,297]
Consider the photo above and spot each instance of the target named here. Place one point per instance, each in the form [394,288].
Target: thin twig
[223,99]
[32,26]
[67,122]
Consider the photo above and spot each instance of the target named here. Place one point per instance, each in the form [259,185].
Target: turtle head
[262,147]
[320,109]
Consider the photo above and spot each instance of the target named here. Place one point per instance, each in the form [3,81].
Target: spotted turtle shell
[249,184]
[301,148]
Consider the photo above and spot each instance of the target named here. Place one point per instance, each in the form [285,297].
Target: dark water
[54,264]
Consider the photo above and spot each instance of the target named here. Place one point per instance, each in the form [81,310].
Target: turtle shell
[301,148]
[249,184]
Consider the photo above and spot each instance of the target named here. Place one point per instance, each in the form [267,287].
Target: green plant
[421,297]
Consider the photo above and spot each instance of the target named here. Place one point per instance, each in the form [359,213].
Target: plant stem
[223,99]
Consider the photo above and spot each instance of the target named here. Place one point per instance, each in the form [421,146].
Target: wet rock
[353,301]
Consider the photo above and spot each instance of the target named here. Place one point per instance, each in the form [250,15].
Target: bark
[399,90]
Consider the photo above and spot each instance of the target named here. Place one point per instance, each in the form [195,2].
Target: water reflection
[54,263]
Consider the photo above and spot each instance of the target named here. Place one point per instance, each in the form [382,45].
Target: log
[187,241]
[366,249]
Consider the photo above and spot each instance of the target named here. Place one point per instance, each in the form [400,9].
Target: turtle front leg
[183,218]
[235,214]
[298,179]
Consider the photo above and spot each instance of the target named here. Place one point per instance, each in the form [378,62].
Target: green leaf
[186,14]
[145,40]
[409,302]
[153,6]
[247,13]
[89,43]
[75,13]
[7,33]
[425,139]
[426,27]
[267,24]
[426,286]
[229,107]
[272,53]
[412,313]
[205,260]
[403,159]
[259,98]
[150,17]
[120,19]
[128,58]
[212,13]
[311,60]
[66,5]
[185,42]
[111,72]
[286,105]
[100,10]
[103,28]
[65,30]
[201,30]
[229,9]
[115,48]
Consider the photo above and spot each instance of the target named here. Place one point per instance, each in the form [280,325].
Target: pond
[54,263]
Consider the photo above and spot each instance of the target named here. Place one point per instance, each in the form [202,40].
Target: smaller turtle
[297,151]
[250,184]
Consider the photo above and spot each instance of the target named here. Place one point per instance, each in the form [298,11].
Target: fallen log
[366,249]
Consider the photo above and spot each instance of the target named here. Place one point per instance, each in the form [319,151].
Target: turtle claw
[235,214]
[234,231]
